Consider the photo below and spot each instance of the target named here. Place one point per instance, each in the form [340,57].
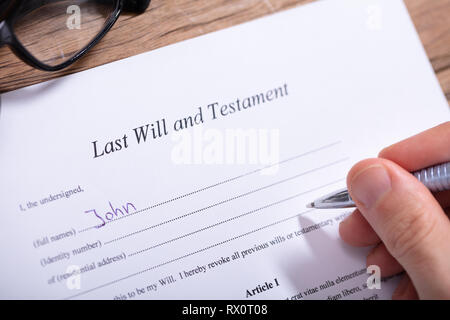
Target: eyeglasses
[52,34]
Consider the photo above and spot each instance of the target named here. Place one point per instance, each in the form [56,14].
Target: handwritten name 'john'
[114,213]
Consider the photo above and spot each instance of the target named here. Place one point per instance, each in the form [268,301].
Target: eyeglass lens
[54,31]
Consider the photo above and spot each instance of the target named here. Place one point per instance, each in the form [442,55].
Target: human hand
[407,223]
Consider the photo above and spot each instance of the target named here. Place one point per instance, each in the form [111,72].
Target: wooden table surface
[170,21]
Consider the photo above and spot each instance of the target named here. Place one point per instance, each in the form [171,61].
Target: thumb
[409,221]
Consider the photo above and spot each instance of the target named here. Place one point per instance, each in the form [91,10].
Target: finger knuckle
[408,231]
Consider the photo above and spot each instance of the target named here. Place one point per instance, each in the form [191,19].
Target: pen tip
[310,205]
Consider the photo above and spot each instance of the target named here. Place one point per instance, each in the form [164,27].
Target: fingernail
[369,185]
[347,218]
[343,221]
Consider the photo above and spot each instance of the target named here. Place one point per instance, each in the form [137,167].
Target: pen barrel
[435,178]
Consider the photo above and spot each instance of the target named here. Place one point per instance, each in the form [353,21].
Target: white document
[243,127]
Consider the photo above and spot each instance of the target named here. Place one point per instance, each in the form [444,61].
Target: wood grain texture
[169,21]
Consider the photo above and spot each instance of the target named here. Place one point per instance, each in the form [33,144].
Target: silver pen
[436,178]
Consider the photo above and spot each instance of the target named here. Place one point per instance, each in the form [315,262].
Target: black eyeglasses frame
[8,37]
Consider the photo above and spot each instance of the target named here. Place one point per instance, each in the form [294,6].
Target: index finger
[426,149]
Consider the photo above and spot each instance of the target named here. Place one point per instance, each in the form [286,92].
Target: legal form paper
[185,172]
